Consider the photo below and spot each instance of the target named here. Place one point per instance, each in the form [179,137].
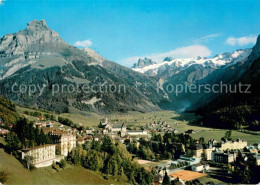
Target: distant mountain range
[38,56]
[174,66]
[224,68]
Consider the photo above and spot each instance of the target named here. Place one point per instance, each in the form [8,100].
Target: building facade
[42,156]
[232,145]
[64,140]
[136,132]
[221,157]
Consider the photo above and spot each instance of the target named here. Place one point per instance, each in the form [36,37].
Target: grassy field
[77,116]
[207,178]
[181,122]
[70,175]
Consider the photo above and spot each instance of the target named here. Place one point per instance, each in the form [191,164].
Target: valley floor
[181,122]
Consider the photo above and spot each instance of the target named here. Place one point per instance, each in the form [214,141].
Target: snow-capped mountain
[226,67]
[176,65]
[143,63]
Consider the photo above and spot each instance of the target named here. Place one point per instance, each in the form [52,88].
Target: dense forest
[111,159]
[243,115]
[8,114]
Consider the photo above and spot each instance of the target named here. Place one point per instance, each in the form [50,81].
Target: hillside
[8,112]
[239,109]
[71,175]
[38,58]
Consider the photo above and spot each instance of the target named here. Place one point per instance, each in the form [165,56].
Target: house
[42,156]
[257,145]
[207,152]
[41,118]
[212,142]
[199,150]
[81,140]
[221,157]
[174,131]
[257,159]
[137,132]
[89,131]
[189,160]
[108,127]
[230,144]
[195,150]
[49,125]
[96,138]
[197,167]
[3,132]
[64,140]
[88,138]
[104,121]
[158,179]
[119,128]
[190,131]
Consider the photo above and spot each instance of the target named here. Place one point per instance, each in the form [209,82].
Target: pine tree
[166,179]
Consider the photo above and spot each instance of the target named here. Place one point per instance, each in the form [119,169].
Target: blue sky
[124,30]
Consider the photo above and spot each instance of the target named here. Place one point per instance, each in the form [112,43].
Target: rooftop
[36,147]
[118,125]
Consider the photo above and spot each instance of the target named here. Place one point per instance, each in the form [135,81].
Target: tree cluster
[38,114]
[235,117]
[111,159]
[24,135]
[168,146]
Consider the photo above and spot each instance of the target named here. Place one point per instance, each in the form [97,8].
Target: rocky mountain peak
[167,59]
[36,25]
[39,31]
[143,62]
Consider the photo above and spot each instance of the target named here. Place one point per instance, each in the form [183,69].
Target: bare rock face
[143,63]
[28,40]
[38,55]
[94,55]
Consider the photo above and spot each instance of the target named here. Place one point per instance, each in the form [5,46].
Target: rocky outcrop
[38,56]
[143,63]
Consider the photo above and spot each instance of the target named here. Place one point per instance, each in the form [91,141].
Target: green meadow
[181,122]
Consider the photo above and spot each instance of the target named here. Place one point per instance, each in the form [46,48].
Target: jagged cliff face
[36,34]
[143,63]
[29,46]
[40,47]
[38,56]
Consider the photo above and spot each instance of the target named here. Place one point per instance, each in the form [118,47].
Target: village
[195,161]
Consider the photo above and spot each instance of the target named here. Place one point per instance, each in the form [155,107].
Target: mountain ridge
[37,55]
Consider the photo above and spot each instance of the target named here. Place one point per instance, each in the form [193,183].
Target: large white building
[64,140]
[136,132]
[42,156]
[232,145]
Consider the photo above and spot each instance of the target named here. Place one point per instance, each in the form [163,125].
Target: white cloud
[182,52]
[241,41]
[84,43]
[206,38]
[2,2]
